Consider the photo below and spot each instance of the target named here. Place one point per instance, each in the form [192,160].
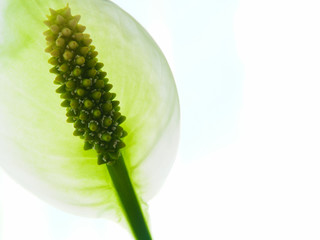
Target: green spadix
[84,86]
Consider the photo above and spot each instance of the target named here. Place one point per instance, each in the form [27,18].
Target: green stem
[129,200]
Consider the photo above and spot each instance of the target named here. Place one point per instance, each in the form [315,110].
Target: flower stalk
[128,199]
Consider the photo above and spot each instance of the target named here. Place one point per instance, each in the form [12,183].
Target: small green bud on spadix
[64,67]
[121,119]
[78,132]
[50,38]
[53,12]
[109,86]
[53,61]
[83,115]
[88,104]
[66,32]
[102,74]
[48,23]
[61,89]
[83,86]
[67,55]
[60,42]
[93,126]
[47,33]
[87,41]
[54,70]
[71,84]
[99,84]
[86,83]
[99,65]
[66,95]
[80,60]
[92,62]
[73,44]
[87,145]
[96,95]
[92,72]
[81,28]
[65,103]
[74,103]
[72,23]
[70,120]
[84,51]
[71,113]
[55,29]
[94,54]
[59,79]
[60,19]
[107,122]
[106,137]
[55,52]
[96,113]
[81,92]
[107,107]
[78,36]
[76,72]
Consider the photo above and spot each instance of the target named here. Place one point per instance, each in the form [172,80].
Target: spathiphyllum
[89,109]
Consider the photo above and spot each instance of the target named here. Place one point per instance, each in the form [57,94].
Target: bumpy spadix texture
[37,144]
[84,86]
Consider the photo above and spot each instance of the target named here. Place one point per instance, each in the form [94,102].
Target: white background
[248,167]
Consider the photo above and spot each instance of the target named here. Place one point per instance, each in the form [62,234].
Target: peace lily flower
[41,152]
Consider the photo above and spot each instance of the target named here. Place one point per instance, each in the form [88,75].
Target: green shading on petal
[44,155]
